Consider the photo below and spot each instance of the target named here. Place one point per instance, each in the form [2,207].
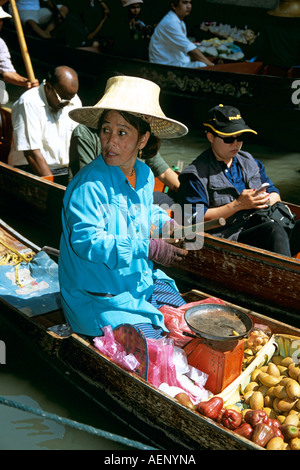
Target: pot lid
[218,322]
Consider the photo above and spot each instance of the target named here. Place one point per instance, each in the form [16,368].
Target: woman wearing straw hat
[106,255]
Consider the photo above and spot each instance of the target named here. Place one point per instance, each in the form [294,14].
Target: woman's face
[223,152]
[135,9]
[120,142]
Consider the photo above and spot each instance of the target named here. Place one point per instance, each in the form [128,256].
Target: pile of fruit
[269,411]
[255,341]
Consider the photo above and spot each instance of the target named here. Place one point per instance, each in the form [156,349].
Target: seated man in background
[223,181]
[42,127]
[169,43]
[41,20]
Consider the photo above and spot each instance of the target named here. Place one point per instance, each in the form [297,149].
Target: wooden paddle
[22,42]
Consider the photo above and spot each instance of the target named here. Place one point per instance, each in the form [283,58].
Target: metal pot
[218,322]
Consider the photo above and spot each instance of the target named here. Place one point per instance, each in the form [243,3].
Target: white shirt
[37,126]
[169,44]
[5,58]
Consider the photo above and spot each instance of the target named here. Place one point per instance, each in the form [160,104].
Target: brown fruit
[256,401]
[273,370]
[276,443]
[286,361]
[295,443]
[251,386]
[268,380]
[292,419]
[293,371]
[280,391]
[293,389]
[285,404]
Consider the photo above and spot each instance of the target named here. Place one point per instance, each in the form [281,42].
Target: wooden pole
[22,42]
[179,232]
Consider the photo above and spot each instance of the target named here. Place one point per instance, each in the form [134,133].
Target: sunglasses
[230,140]
[61,100]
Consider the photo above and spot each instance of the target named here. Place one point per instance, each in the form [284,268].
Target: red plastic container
[221,360]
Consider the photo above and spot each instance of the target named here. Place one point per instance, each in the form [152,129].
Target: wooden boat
[255,278]
[168,424]
[249,276]
[32,201]
[263,93]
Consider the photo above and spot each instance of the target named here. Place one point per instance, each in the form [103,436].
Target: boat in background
[252,277]
[266,95]
[158,417]
[32,203]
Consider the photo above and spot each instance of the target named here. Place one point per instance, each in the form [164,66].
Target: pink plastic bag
[169,370]
[175,322]
[111,348]
[161,367]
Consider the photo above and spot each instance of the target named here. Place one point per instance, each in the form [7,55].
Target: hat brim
[232,131]
[164,128]
[132,2]
[4,15]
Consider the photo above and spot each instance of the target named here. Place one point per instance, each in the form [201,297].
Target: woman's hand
[164,253]
[247,200]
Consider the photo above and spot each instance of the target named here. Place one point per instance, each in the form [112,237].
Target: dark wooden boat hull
[256,278]
[31,202]
[169,424]
[267,96]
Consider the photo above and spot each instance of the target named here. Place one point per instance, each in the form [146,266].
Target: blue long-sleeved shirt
[104,271]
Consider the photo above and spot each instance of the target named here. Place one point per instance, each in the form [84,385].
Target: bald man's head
[61,86]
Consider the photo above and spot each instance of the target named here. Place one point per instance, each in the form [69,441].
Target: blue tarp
[38,291]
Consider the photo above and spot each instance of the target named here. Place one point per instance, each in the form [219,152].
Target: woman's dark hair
[153,144]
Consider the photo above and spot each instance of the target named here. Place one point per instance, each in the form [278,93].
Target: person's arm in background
[16,79]
[37,162]
[195,55]
[163,172]
[170,179]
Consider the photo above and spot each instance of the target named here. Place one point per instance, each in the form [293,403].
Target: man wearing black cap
[223,182]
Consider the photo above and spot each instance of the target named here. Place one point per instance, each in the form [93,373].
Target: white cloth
[170,45]
[37,126]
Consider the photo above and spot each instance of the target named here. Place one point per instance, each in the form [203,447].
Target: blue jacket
[104,271]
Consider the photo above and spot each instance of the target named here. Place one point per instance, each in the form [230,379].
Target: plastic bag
[111,348]
[175,322]
[168,365]
[161,367]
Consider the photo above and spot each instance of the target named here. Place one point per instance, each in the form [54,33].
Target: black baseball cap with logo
[226,120]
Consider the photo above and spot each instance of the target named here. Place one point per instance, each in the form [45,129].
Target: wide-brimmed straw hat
[226,120]
[126,3]
[3,14]
[136,96]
